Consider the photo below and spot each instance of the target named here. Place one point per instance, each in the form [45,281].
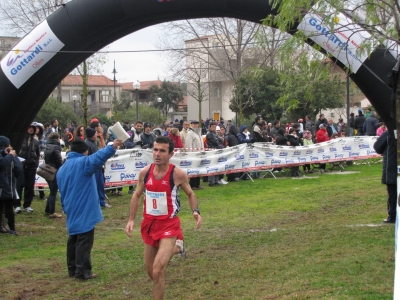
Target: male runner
[161,225]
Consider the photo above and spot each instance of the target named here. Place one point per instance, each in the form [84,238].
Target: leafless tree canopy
[225,47]
[21,16]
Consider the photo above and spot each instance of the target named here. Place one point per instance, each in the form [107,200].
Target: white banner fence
[123,168]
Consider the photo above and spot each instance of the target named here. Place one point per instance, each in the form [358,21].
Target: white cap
[218,128]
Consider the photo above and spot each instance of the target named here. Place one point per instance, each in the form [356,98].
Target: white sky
[132,66]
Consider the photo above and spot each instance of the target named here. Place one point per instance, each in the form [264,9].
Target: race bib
[156,203]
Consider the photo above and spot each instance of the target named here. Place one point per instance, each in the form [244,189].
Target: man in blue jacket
[80,202]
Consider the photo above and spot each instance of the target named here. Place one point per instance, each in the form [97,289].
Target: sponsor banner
[30,54]
[342,39]
[124,167]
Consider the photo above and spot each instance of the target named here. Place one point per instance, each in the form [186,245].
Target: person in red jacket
[322,136]
[175,136]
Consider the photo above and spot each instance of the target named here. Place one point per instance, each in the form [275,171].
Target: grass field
[320,237]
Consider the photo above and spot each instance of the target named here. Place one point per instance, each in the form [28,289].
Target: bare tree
[21,16]
[217,50]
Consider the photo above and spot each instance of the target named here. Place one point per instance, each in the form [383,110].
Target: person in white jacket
[194,142]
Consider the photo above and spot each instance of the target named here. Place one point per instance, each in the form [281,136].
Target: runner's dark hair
[166,140]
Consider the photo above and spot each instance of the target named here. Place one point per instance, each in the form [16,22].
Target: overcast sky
[132,66]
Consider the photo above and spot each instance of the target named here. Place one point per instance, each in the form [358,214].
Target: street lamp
[159,100]
[115,80]
[74,97]
[136,87]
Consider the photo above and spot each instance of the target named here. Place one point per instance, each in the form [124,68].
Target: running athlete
[161,226]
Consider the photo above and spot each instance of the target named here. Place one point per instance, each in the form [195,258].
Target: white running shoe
[223,181]
[18,210]
[28,209]
[182,252]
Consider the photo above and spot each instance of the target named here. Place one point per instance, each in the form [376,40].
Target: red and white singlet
[161,199]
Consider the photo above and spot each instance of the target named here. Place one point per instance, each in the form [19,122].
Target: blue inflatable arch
[90,25]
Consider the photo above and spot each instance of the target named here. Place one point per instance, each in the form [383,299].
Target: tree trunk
[199,100]
[59,97]
[85,94]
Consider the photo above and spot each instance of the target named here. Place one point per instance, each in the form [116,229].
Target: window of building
[143,96]
[3,43]
[105,96]
[216,92]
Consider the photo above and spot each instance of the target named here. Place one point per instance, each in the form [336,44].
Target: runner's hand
[129,228]
[198,219]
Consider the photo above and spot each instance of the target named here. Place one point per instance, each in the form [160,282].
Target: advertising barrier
[124,167]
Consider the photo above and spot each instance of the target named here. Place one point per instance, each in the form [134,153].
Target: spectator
[215,142]
[53,127]
[293,140]
[300,122]
[31,153]
[359,123]
[80,202]
[147,137]
[79,133]
[194,142]
[310,125]
[244,135]
[322,136]
[135,141]
[100,142]
[381,129]
[258,130]
[52,157]
[371,125]
[176,138]
[341,126]
[232,142]
[274,130]
[280,140]
[320,121]
[331,128]
[10,168]
[387,146]
[184,131]
[307,141]
[351,124]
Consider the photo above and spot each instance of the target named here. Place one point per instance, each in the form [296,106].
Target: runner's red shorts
[154,230]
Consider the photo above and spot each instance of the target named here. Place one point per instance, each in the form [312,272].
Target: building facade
[101,93]
[6,44]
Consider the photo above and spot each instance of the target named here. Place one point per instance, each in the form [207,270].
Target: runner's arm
[182,180]
[135,200]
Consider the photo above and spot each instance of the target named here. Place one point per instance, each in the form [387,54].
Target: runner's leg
[163,256]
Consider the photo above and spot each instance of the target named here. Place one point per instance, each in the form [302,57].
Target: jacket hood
[233,130]
[242,127]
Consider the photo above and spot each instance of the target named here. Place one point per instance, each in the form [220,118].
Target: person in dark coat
[232,142]
[10,168]
[351,125]
[386,145]
[31,153]
[321,120]
[359,123]
[371,125]
[52,157]
[294,141]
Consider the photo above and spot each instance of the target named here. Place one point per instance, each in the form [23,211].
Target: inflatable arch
[28,76]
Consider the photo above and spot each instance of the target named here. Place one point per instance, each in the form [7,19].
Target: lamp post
[115,80]
[115,94]
[136,87]
[74,97]
[159,100]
